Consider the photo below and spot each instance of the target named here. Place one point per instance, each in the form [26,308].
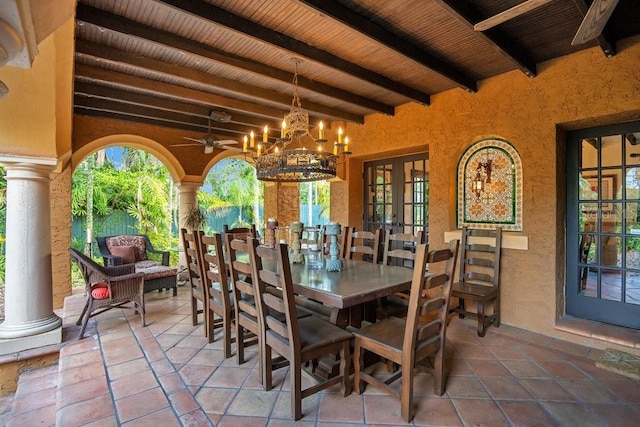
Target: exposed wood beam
[122,25]
[163,68]
[246,27]
[105,92]
[87,111]
[188,95]
[603,41]
[116,106]
[510,13]
[632,139]
[364,25]
[467,16]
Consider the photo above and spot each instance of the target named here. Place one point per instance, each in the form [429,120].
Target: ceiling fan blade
[227,142]
[594,21]
[193,139]
[225,147]
[185,145]
[511,13]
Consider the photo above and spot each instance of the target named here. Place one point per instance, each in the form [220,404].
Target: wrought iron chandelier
[296,156]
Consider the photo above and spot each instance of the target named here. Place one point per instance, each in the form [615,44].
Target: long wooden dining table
[346,292]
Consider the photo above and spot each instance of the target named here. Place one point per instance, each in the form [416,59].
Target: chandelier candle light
[296,156]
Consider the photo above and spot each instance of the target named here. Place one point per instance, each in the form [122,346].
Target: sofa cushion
[146,264]
[129,240]
[157,271]
[126,252]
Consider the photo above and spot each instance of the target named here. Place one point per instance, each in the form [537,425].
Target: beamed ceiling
[170,63]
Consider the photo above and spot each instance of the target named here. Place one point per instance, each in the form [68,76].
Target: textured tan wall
[61,235]
[282,202]
[581,90]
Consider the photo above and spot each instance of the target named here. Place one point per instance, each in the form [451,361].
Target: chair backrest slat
[285,325]
[364,242]
[190,246]
[400,248]
[480,258]
[417,334]
[214,270]
[241,273]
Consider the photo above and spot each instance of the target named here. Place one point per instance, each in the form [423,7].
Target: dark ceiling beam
[246,27]
[403,46]
[88,111]
[122,25]
[110,93]
[603,41]
[189,95]
[118,56]
[468,17]
[101,104]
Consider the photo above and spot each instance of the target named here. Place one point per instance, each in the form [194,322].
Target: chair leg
[239,343]
[142,311]
[265,367]
[345,367]
[462,307]
[481,317]
[295,371]
[496,311]
[194,310]
[226,336]
[84,310]
[86,317]
[358,363]
[438,372]
[406,394]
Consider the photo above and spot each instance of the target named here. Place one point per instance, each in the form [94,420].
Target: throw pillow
[100,291]
[126,252]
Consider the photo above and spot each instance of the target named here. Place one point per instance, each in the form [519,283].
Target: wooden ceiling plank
[603,41]
[510,13]
[122,25]
[466,15]
[102,104]
[159,88]
[142,62]
[403,46]
[244,26]
[88,111]
[105,92]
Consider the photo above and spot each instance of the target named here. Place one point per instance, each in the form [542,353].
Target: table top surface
[358,282]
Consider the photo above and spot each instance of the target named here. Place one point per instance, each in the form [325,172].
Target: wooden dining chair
[197,293]
[479,276]
[398,249]
[364,245]
[409,340]
[247,327]
[220,306]
[242,233]
[299,340]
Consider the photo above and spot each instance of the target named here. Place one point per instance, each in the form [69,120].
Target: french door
[396,194]
[603,224]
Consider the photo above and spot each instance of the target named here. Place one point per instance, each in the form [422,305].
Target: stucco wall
[581,90]
[61,235]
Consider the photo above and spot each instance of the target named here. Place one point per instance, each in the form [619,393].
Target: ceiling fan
[209,140]
[594,20]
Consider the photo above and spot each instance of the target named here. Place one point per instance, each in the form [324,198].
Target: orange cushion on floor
[100,291]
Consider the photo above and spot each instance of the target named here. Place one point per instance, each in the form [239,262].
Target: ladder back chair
[479,277]
[216,288]
[410,340]
[364,245]
[108,287]
[398,249]
[299,340]
[247,327]
[196,284]
[242,233]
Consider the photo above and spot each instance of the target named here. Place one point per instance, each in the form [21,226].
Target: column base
[16,345]
[29,328]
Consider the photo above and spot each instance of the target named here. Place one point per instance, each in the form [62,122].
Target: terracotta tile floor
[166,374]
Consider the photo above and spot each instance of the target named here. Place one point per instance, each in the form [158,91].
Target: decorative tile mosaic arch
[500,204]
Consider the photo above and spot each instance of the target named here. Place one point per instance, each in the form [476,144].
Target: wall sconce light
[483,176]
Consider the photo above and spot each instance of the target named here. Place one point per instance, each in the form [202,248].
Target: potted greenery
[194,219]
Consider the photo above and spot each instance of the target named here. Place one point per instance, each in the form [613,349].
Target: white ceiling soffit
[18,45]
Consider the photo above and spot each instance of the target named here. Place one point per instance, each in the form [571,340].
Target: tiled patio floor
[167,375]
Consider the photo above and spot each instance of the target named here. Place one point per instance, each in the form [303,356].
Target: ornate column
[28,287]
[188,200]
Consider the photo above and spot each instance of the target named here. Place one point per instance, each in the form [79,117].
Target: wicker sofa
[137,249]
